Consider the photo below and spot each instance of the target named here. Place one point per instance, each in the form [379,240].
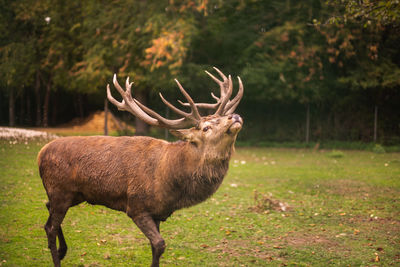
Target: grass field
[343,210]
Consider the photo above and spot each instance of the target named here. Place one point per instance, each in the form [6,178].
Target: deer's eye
[205,129]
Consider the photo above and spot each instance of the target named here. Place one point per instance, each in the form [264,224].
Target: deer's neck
[202,173]
[203,163]
[212,165]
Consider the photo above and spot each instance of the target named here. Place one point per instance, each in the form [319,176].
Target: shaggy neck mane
[212,164]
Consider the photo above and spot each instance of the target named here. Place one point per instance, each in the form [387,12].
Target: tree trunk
[80,106]
[28,110]
[38,102]
[11,108]
[376,124]
[106,117]
[46,105]
[54,108]
[166,131]
[142,128]
[22,116]
[308,123]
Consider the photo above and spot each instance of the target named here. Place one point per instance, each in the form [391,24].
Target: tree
[285,60]
[366,12]
[16,55]
[144,40]
[363,38]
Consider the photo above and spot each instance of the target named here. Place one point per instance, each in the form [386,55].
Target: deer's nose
[236,117]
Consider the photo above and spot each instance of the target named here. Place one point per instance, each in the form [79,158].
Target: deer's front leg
[151,230]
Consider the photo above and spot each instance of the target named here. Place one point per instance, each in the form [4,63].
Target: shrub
[336,154]
[378,149]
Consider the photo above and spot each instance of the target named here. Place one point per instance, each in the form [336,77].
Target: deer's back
[98,169]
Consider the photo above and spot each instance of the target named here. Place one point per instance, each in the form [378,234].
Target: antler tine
[176,110]
[213,96]
[120,105]
[224,98]
[225,106]
[231,106]
[203,105]
[127,104]
[113,100]
[128,86]
[195,112]
[225,89]
[213,77]
[170,124]
[117,86]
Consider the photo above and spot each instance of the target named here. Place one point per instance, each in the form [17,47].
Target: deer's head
[211,133]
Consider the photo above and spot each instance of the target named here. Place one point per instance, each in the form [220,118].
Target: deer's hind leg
[57,210]
[62,250]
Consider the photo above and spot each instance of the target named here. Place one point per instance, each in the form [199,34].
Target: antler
[148,115]
[224,105]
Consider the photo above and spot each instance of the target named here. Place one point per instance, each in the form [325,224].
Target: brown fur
[145,177]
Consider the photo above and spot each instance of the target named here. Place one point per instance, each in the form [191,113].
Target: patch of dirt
[92,124]
[297,239]
[354,189]
[388,226]
[237,248]
[272,250]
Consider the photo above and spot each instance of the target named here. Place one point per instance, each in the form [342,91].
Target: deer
[145,177]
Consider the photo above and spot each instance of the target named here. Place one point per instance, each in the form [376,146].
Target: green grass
[343,211]
[346,145]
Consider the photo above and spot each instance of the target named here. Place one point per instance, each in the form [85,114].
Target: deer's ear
[184,134]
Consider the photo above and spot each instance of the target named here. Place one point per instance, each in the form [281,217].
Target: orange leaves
[188,6]
[285,37]
[168,49]
[373,51]
[339,42]
[259,44]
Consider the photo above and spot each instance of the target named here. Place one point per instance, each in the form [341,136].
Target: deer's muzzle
[236,125]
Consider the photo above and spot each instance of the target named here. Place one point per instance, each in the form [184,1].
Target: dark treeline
[313,70]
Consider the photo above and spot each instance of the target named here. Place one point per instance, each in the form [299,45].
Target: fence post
[166,132]
[308,123]
[105,117]
[376,123]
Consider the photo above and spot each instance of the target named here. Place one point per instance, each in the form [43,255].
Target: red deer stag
[147,178]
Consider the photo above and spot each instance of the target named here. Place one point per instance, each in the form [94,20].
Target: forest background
[312,70]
